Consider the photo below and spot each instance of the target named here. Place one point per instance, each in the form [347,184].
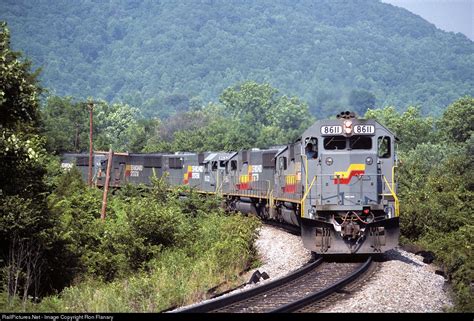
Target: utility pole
[91,108]
[106,187]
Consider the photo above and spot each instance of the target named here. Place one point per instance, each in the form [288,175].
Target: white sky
[448,15]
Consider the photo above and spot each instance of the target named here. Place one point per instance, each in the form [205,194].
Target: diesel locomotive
[336,182]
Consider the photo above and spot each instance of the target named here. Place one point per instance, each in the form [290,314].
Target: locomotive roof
[213,156]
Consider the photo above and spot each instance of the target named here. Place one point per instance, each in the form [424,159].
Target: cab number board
[364,129]
[331,130]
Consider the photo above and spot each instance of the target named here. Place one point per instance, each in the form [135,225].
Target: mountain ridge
[146,53]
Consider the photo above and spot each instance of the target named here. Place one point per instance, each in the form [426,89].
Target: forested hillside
[163,56]
[154,250]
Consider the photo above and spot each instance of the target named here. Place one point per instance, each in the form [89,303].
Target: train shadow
[390,255]
[346,258]
[357,258]
[394,255]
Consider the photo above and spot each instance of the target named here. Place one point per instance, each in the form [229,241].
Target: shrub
[222,247]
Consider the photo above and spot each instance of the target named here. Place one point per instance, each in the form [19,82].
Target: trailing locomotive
[336,182]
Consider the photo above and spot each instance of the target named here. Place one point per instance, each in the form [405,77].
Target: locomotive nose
[349,179]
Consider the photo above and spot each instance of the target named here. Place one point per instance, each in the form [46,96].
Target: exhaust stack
[346,115]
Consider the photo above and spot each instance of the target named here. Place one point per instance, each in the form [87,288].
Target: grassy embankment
[153,252]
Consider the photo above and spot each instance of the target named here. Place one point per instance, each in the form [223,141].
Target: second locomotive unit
[336,182]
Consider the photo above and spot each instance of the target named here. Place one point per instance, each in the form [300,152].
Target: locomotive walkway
[300,291]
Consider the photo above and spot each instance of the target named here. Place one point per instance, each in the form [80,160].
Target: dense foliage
[249,115]
[436,187]
[265,116]
[117,126]
[166,56]
[27,238]
[51,235]
[152,251]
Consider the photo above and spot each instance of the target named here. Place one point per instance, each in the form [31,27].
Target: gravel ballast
[401,284]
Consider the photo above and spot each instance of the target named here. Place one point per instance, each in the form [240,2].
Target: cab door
[232,177]
[282,166]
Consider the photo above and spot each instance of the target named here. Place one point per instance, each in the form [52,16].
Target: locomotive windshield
[360,142]
[335,142]
[353,142]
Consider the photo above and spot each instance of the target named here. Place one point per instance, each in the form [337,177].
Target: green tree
[119,126]
[65,124]
[251,101]
[272,118]
[410,127]
[457,122]
[24,217]
[436,189]
[116,126]
[19,90]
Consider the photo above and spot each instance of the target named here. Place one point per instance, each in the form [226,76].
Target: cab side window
[384,147]
[233,165]
[283,163]
[311,148]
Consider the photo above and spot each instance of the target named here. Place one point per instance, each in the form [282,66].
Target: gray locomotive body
[336,182]
[350,203]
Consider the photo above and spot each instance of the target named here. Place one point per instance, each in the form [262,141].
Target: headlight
[329,161]
[369,160]
[348,127]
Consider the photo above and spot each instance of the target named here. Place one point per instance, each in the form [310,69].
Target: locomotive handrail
[271,201]
[393,177]
[219,186]
[395,197]
[306,195]
[268,188]
[305,171]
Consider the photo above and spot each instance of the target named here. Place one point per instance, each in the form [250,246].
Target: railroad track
[296,292]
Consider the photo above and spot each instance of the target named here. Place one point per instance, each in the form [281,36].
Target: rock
[257,276]
[428,256]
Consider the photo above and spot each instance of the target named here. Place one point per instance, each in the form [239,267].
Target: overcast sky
[449,15]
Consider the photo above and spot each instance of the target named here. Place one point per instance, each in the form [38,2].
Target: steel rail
[323,293]
[220,303]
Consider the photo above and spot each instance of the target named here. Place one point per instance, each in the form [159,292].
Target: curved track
[291,293]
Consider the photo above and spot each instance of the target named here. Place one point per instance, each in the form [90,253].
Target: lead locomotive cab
[350,203]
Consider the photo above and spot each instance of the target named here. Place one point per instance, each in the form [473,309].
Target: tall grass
[223,247]
[154,251]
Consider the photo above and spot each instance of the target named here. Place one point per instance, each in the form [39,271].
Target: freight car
[336,182]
